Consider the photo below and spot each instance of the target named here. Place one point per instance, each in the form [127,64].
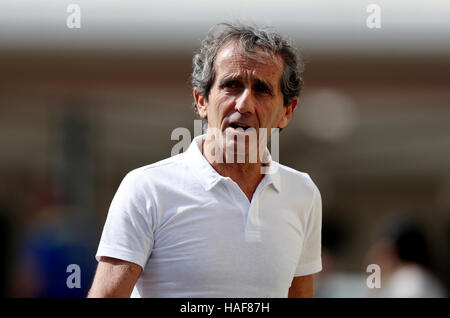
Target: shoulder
[162,166]
[145,176]
[298,180]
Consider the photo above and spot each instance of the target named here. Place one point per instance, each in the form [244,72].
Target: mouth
[239,126]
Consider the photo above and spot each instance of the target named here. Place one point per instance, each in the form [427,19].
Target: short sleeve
[128,230]
[310,260]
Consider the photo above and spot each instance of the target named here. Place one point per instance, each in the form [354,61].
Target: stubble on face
[245,97]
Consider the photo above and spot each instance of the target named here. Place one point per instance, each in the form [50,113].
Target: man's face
[246,92]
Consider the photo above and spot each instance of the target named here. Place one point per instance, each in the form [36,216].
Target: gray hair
[248,37]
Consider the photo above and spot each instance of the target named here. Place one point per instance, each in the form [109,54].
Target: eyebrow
[231,78]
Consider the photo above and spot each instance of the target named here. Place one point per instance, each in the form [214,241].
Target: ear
[201,103]
[288,111]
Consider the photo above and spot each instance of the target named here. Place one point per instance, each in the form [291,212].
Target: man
[200,224]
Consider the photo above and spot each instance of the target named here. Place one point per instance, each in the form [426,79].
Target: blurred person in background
[49,243]
[334,281]
[403,254]
[190,226]
[6,246]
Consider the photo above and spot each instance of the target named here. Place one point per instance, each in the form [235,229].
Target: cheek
[219,107]
[225,104]
[272,116]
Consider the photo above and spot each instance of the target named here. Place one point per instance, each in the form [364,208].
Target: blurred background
[80,107]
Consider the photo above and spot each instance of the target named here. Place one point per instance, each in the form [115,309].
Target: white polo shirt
[195,233]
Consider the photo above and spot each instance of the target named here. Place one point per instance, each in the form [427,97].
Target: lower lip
[239,131]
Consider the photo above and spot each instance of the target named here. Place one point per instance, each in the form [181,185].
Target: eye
[230,84]
[262,88]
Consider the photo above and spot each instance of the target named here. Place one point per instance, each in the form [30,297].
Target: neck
[246,175]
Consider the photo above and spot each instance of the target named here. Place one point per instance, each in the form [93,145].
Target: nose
[245,103]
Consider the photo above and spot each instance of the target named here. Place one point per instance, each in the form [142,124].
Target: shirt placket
[250,211]
[253,226]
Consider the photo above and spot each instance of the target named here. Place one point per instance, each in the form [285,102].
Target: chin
[240,153]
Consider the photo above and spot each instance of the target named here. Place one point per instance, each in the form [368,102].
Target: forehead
[233,60]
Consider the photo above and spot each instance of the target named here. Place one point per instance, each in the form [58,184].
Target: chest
[211,239]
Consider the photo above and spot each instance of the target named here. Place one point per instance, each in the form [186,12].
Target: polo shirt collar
[209,177]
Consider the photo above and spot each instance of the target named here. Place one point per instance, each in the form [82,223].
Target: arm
[114,278]
[302,287]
